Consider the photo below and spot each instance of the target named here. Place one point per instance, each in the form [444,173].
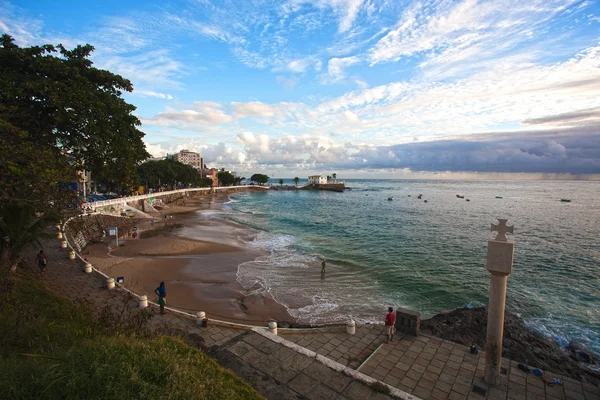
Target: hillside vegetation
[51,349]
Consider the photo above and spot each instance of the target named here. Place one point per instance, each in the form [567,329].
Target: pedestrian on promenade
[161,292]
[41,261]
[390,321]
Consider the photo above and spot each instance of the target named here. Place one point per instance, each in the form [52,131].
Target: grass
[51,349]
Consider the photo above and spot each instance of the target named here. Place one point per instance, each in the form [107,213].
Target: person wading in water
[161,292]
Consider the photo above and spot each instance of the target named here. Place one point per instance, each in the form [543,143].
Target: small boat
[458,196]
[425,201]
[409,195]
[419,197]
[467,200]
[390,198]
[565,200]
[499,197]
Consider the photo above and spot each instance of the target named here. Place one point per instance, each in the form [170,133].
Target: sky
[499,89]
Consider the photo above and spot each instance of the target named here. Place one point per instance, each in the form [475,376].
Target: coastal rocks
[468,327]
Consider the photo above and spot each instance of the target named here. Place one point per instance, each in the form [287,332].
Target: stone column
[499,263]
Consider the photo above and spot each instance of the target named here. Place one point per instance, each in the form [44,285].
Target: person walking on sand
[161,292]
[41,261]
[390,320]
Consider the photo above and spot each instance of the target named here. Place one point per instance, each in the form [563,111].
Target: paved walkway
[320,365]
[432,368]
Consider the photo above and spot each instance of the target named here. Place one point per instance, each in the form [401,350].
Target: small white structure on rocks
[317,180]
[500,264]
[351,327]
[110,283]
[143,301]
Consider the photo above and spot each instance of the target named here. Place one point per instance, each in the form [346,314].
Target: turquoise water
[430,256]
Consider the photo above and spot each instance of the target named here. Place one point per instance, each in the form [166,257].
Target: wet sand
[199,275]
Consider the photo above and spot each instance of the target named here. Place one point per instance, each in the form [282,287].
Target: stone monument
[500,264]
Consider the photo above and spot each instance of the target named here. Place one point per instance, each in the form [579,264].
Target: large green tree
[261,179]
[226,178]
[64,104]
[169,172]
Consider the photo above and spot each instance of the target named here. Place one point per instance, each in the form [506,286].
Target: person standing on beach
[161,292]
[390,321]
[323,265]
[41,261]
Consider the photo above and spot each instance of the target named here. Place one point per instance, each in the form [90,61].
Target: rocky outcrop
[468,326]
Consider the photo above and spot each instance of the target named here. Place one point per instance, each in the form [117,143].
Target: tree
[21,228]
[280,182]
[66,105]
[296,180]
[168,172]
[238,181]
[261,179]
[226,178]
[33,174]
[334,175]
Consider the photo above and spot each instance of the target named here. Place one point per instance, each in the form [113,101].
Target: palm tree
[296,180]
[280,182]
[334,176]
[21,228]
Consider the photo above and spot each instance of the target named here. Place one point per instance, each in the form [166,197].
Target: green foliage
[51,349]
[280,182]
[64,103]
[44,169]
[226,178]
[259,178]
[296,180]
[169,172]
[19,229]
[334,175]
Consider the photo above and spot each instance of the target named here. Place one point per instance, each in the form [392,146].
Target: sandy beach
[200,275]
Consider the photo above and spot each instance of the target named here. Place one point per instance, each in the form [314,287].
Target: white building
[189,158]
[317,179]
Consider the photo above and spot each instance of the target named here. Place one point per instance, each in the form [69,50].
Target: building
[317,180]
[189,158]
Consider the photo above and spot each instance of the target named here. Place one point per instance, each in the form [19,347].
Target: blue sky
[501,88]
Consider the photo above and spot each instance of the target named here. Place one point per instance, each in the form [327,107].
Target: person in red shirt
[390,320]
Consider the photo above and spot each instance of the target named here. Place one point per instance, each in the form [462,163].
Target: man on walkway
[41,261]
[390,320]
[161,292]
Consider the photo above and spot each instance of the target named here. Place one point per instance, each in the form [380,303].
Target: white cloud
[336,67]
[150,93]
[436,26]
[252,109]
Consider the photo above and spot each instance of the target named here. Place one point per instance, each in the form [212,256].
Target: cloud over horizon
[462,86]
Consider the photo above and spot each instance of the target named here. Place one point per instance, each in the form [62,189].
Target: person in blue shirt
[161,292]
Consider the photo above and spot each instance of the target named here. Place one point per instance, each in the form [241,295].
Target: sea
[427,256]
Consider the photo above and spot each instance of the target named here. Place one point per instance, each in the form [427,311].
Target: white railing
[121,200]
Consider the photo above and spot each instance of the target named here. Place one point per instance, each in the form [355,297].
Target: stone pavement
[432,368]
[300,375]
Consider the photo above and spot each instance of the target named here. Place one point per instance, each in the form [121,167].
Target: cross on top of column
[502,229]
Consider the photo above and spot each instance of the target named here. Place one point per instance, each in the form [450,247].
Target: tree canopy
[259,178]
[55,101]
[169,172]
[226,178]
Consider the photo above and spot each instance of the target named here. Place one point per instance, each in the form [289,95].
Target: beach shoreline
[200,275]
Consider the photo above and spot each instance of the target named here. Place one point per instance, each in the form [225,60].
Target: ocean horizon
[428,257]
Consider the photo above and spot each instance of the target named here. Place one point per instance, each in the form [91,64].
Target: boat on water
[499,197]
[565,200]
[468,199]
[458,196]
[425,201]
[419,196]
[390,198]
